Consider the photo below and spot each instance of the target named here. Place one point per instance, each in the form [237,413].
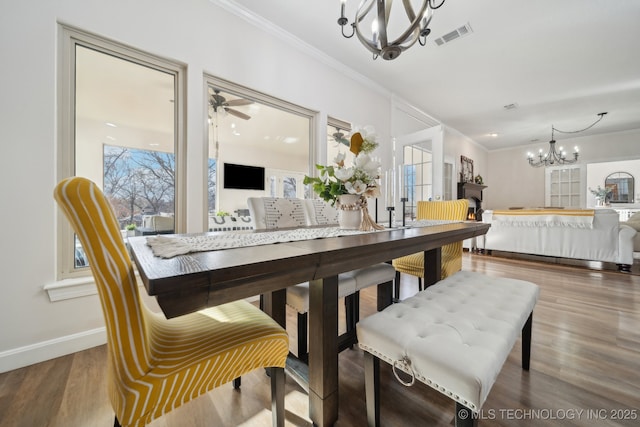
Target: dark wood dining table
[190,282]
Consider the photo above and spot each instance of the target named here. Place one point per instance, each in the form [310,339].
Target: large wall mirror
[622,187]
[258,146]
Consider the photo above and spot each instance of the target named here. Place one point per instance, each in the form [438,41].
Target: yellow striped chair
[155,365]
[455,210]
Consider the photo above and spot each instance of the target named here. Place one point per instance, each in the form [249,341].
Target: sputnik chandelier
[378,40]
[557,157]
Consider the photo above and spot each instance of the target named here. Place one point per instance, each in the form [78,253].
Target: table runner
[168,246]
[574,218]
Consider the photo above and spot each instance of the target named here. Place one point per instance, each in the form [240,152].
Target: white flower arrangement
[361,178]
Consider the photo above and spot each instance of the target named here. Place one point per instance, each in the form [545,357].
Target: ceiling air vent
[465,30]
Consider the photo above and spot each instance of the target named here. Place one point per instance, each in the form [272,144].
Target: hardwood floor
[585,369]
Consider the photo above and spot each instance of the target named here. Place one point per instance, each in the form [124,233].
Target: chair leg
[116,423]
[420,284]
[303,352]
[352,315]
[349,312]
[237,382]
[372,389]
[526,342]
[396,287]
[277,396]
[385,295]
[352,310]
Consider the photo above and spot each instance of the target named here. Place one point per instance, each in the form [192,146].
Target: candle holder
[390,209]
[404,201]
[376,210]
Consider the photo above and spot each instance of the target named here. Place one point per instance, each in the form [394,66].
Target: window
[119,127]
[338,140]
[418,168]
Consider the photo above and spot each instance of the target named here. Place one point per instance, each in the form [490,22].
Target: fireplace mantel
[470,190]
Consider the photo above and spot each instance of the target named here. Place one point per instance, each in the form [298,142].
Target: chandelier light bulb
[374,31]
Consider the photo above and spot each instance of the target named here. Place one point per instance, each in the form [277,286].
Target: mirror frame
[612,179]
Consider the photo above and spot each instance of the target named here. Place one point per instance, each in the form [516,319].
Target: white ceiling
[561,62]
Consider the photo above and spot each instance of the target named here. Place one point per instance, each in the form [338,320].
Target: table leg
[274,304]
[432,266]
[323,351]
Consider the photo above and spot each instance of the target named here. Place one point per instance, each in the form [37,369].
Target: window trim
[68,38]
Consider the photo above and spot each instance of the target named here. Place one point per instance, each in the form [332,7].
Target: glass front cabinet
[564,186]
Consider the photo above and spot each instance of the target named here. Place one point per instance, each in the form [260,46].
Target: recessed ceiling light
[290,140]
[492,135]
[111,124]
[154,144]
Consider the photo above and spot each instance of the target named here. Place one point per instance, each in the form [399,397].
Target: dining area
[201,274]
[197,280]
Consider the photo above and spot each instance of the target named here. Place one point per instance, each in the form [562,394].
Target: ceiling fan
[217,101]
[340,137]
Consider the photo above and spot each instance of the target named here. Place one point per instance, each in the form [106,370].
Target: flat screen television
[243,177]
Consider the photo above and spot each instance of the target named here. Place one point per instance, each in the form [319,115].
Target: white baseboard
[46,350]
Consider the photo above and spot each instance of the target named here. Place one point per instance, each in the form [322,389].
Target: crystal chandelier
[378,41]
[559,156]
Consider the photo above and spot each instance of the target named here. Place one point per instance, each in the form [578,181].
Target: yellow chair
[454,210]
[154,364]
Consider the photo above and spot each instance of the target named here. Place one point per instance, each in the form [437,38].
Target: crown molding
[276,31]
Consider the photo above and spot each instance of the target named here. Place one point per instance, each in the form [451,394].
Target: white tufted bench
[454,336]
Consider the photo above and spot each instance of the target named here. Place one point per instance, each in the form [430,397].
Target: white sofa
[158,223]
[634,222]
[606,239]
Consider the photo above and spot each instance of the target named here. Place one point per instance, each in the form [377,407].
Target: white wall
[512,182]
[194,32]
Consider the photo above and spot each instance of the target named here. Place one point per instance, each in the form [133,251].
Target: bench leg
[464,416]
[526,342]
[372,389]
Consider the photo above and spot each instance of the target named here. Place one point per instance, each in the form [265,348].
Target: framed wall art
[466,169]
